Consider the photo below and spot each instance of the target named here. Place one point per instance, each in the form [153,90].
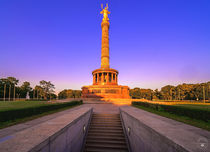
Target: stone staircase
[105,134]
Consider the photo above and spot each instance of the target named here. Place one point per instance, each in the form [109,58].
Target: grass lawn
[184,119]
[12,113]
[8,105]
[197,106]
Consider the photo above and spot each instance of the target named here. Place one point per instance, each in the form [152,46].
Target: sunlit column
[102,77]
[94,78]
[116,78]
[97,77]
[107,77]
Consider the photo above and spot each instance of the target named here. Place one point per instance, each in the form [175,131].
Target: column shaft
[102,77]
[105,44]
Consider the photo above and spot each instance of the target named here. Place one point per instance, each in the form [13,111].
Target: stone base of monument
[116,101]
[105,92]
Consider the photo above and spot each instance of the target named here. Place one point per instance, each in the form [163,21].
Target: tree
[69,93]
[157,95]
[168,92]
[7,87]
[138,93]
[39,92]
[24,89]
[48,88]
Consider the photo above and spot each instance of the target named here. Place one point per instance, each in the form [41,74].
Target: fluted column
[102,79]
[97,77]
[116,78]
[107,77]
[94,78]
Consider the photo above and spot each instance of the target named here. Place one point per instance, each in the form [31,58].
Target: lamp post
[209,92]
[14,93]
[34,94]
[9,91]
[4,91]
[203,94]
[37,95]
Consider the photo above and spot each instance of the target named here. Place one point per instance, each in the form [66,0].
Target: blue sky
[152,43]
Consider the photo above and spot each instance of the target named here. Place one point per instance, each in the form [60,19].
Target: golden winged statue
[105,12]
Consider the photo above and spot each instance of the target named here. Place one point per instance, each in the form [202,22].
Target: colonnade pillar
[94,78]
[97,77]
[116,78]
[102,77]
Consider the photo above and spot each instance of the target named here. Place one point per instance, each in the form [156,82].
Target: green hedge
[194,113]
[12,114]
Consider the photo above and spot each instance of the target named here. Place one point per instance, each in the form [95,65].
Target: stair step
[105,125]
[104,122]
[106,114]
[104,150]
[106,131]
[106,118]
[116,117]
[106,138]
[102,119]
[98,119]
[105,128]
[89,140]
[105,134]
[95,116]
[106,145]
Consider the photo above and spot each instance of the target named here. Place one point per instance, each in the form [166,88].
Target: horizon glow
[152,43]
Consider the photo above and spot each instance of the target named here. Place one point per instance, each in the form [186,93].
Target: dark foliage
[180,92]
[12,114]
[191,112]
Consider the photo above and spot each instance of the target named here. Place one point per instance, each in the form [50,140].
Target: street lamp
[14,93]
[9,91]
[4,91]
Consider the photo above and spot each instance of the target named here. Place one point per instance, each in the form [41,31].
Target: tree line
[199,91]
[69,93]
[9,90]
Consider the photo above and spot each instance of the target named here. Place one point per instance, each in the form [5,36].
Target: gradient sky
[152,42]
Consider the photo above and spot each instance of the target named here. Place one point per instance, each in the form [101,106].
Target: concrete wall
[61,134]
[70,138]
[147,132]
